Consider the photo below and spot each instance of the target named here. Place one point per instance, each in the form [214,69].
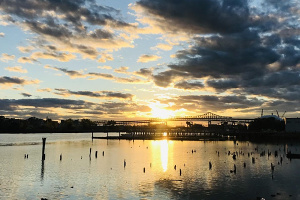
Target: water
[149,172]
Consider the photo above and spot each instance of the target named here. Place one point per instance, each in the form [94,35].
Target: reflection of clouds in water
[146,189]
[174,188]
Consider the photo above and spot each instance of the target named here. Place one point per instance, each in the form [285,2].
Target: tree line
[36,125]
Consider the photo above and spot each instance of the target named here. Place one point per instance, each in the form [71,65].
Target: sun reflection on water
[162,148]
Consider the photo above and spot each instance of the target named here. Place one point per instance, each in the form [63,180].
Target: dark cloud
[26,94]
[239,46]
[11,80]
[102,34]
[71,108]
[50,29]
[100,75]
[206,16]
[189,85]
[117,95]
[99,94]
[164,79]
[144,72]
[71,73]
[224,56]
[213,103]
[43,103]
[223,84]
[71,11]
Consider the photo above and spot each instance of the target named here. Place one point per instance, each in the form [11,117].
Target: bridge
[209,117]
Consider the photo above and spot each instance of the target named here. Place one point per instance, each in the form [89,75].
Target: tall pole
[43,151]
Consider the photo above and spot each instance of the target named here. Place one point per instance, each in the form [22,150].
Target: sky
[127,59]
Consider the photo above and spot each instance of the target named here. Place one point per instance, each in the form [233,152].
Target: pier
[149,133]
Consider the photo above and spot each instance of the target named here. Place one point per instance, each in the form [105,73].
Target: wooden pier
[140,133]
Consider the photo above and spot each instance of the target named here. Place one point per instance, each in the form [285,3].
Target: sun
[159,112]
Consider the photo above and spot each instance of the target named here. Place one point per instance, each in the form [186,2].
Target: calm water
[149,172]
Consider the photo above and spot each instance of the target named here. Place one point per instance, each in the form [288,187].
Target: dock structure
[145,133]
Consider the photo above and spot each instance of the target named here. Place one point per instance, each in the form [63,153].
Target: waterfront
[127,169]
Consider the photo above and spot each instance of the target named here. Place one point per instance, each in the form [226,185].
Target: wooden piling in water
[43,150]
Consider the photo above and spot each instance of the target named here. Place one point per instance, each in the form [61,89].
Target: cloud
[6,57]
[26,94]
[122,70]
[9,81]
[63,57]
[189,85]
[104,67]
[165,47]
[148,58]
[2,34]
[96,94]
[25,49]
[26,60]
[104,57]
[82,27]
[144,72]
[197,16]
[44,90]
[130,80]
[66,108]
[95,75]
[215,103]
[71,73]
[44,103]
[18,69]
[257,55]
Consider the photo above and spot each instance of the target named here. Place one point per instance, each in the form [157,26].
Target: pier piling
[43,150]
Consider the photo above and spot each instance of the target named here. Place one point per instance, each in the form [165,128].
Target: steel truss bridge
[209,117]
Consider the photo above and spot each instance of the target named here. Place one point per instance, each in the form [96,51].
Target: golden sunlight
[159,112]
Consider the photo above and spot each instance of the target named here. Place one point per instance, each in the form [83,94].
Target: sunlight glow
[158,111]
